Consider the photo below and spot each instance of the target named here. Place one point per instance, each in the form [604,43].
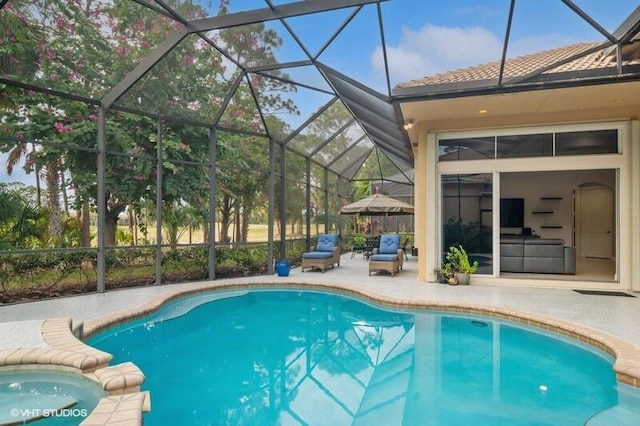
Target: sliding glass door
[467,216]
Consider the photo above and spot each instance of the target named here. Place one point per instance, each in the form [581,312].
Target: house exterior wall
[631,219]
[625,177]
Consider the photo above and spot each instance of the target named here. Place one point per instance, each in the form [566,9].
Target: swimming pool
[291,357]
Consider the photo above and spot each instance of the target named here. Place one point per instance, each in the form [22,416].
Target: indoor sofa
[537,255]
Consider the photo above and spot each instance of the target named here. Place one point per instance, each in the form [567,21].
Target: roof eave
[545,81]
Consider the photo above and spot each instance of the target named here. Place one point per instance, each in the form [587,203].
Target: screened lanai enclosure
[158,141]
[154,141]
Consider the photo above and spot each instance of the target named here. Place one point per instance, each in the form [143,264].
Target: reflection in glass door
[467,216]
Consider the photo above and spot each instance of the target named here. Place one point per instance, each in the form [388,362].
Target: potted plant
[446,274]
[459,262]
[359,242]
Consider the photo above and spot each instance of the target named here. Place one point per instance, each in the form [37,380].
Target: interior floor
[587,269]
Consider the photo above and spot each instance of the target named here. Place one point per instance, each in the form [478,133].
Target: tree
[22,223]
[328,126]
[86,47]
[73,53]
[61,48]
[244,159]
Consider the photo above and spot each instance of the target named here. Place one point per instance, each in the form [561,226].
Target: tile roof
[527,64]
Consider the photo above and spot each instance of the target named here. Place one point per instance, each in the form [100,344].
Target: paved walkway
[618,316]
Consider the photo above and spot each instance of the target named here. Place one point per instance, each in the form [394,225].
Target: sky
[427,37]
[440,36]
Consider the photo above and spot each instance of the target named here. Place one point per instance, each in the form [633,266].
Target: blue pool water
[306,358]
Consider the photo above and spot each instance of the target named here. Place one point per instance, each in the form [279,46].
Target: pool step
[120,379]
[616,415]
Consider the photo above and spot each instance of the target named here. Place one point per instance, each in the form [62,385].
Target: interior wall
[533,186]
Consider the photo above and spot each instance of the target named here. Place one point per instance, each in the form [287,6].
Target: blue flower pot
[283,267]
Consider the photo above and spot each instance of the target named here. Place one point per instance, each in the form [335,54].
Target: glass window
[536,145]
[467,149]
[514,146]
[585,143]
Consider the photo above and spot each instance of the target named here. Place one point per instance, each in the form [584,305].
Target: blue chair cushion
[317,255]
[326,242]
[384,257]
[389,244]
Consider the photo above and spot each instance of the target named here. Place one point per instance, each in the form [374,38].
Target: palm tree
[14,158]
[22,223]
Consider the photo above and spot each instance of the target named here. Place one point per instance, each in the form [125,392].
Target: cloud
[434,49]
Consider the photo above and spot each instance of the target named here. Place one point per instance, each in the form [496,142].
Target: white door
[596,225]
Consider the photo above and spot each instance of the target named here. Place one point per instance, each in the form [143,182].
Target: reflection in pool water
[286,357]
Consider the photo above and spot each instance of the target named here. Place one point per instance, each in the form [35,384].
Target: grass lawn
[257,233]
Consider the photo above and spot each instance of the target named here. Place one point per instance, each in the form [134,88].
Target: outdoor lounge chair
[326,253]
[388,257]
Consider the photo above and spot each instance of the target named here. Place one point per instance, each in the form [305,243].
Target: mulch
[30,294]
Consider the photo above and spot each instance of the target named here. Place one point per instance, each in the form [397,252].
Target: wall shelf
[546,206]
[545,209]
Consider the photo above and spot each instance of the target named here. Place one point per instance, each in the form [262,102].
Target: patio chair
[388,257]
[326,253]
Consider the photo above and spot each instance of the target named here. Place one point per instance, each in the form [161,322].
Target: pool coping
[125,402]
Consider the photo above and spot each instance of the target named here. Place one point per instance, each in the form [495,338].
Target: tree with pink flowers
[84,48]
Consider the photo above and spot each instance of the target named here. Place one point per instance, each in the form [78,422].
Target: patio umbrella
[378,205]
